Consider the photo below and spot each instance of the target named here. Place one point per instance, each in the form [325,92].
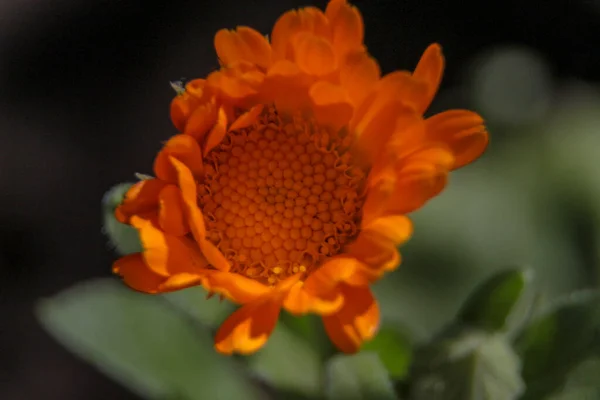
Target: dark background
[84,100]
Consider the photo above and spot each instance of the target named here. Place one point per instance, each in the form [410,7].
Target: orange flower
[291,180]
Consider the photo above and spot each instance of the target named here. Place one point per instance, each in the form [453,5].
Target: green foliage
[289,363]
[123,238]
[394,348]
[141,343]
[358,377]
[466,365]
[556,343]
[490,304]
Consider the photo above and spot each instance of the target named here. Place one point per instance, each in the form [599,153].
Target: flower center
[280,197]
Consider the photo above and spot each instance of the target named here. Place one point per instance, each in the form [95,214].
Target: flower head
[289,184]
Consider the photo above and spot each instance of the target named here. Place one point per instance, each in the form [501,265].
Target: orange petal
[358,75]
[195,218]
[183,105]
[462,131]
[288,86]
[259,46]
[284,29]
[170,215]
[187,184]
[201,120]
[136,274]
[248,118]
[376,130]
[234,286]
[396,88]
[409,183]
[185,149]
[376,245]
[301,301]
[333,8]
[430,70]
[243,44]
[141,198]
[313,54]
[248,328]
[180,281]
[348,30]
[315,21]
[217,133]
[332,106]
[235,83]
[356,322]
[165,254]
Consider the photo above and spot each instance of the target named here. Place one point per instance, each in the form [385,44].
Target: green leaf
[141,342]
[123,238]
[358,377]
[394,348]
[489,306]
[288,363]
[582,382]
[466,365]
[552,345]
[193,302]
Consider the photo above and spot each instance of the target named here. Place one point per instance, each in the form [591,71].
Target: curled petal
[170,216]
[301,301]
[376,245]
[136,274]
[193,213]
[314,55]
[430,70]
[201,120]
[348,30]
[217,133]
[141,199]
[166,254]
[358,75]
[356,322]
[248,328]
[235,287]
[332,106]
[243,44]
[183,105]
[248,118]
[462,131]
[183,148]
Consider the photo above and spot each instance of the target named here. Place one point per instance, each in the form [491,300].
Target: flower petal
[235,287]
[183,148]
[183,105]
[358,75]
[332,106]
[217,133]
[248,328]
[409,184]
[376,244]
[170,216]
[201,120]
[248,118]
[136,274]
[348,30]
[284,29]
[462,131]
[314,55]
[301,301]
[430,70]
[356,322]
[140,199]
[166,254]
[242,44]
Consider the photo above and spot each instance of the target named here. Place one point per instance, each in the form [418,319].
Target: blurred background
[84,94]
